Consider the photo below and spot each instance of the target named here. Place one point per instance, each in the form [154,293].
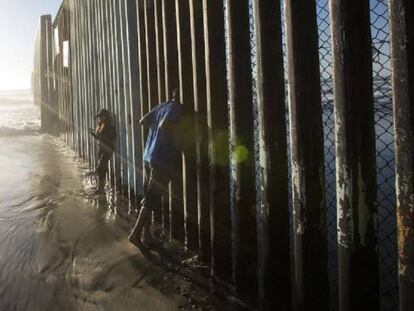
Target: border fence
[297,178]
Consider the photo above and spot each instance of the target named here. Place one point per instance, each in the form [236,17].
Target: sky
[18,25]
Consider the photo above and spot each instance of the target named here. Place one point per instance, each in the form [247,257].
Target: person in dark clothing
[105,135]
[161,155]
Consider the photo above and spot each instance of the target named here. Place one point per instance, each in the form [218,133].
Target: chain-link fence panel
[325,59]
[385,155]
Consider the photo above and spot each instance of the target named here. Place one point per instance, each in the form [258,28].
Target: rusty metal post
[85,84]
[155,82]
[306,138]
[170,46]
[47,66]
[44,29]
[124,83]
[35,81]
[200,108]
[56,74]
[134,90]
[94,59]
[83,103]
[63,94]
[111,89]
[102,85]
[159,50]
[73,77]
[118,90]
[68,74]
[126,117]
[117,95]
[242,149]
[107,85]
[45,24]
[355,156]
[82,89]
[172,82]
[217,119]
[163,54]
[185,73]
[273,214]
[142,72]
[73,59]
[129,13]
[150,52]
[90,82]
[98,55]
[65,75]
[162,96]
[81,82]
[402,51]
[60,78]
[65,121]
[67,80]
[151,70]
[78,80]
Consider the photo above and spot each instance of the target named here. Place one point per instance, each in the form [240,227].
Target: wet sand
[62,248]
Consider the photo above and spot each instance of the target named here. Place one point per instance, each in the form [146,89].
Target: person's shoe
[135,236]
[134,239]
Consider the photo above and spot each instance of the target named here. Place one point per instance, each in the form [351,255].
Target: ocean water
[18,115]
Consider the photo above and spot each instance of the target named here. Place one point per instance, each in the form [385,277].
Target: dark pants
[102,168]
[156,185]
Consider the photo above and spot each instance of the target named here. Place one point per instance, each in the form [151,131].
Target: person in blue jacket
[161,154]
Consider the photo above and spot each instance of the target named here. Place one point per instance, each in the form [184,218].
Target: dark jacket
[105,133]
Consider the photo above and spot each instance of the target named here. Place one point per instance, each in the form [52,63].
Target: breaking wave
[18,115]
